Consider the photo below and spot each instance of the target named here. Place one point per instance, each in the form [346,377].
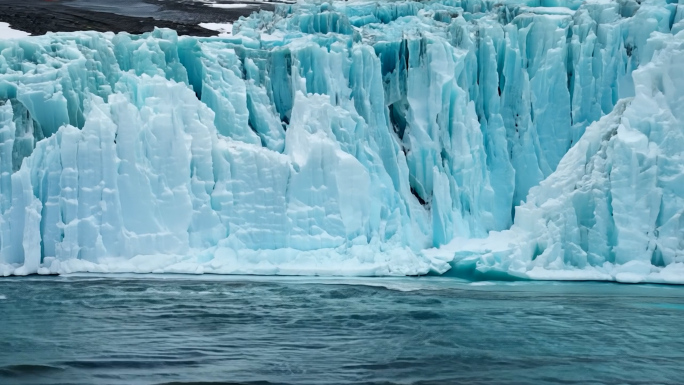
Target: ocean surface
[253,330]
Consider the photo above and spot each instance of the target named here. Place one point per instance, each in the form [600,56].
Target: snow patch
[224,29]
[232,5]
[8,33]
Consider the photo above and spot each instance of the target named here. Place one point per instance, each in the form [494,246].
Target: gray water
[431,330]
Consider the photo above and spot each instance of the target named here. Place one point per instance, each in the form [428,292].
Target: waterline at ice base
[489,139]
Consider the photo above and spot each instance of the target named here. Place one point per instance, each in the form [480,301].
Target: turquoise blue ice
[534,139]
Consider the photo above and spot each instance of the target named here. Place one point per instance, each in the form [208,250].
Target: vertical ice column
[7,132]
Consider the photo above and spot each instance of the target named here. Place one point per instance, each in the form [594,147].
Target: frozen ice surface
[352,138]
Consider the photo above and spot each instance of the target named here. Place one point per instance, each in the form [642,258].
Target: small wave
[27,370]
[221,383]
[667,306]
[169,292]
[118,364]
[404,284]
[2,297]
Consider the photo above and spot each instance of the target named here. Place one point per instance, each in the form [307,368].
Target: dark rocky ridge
[135,16]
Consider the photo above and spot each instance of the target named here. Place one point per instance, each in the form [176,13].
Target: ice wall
[324,138]
[614,208]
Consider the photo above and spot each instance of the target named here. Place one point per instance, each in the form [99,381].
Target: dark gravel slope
[134,16]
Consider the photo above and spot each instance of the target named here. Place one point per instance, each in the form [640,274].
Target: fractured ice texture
[347,138]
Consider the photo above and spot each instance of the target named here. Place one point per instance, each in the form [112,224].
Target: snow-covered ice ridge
[353,138]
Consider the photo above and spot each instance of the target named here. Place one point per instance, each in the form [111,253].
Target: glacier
[525,139]
[614,207]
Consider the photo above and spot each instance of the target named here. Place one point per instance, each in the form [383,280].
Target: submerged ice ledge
[343,139]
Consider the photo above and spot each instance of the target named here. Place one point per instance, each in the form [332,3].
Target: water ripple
[81,330]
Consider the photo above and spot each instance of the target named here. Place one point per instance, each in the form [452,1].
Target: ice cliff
[347,138]
[614,207]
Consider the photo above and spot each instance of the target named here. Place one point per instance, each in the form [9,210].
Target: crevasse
[344,138]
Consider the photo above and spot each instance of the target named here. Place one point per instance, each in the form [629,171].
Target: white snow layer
[224,29]
[348,138]
[231,5]
[8,33]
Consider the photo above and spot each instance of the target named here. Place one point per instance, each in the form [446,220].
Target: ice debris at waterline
[347,138]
